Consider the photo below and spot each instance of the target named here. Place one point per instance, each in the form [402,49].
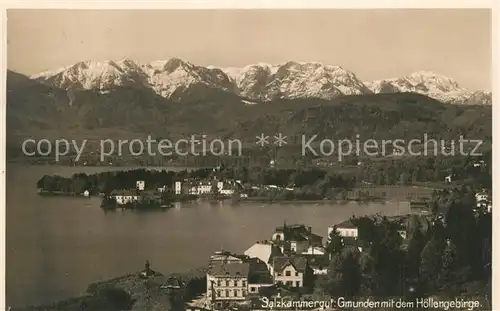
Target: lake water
[56,246]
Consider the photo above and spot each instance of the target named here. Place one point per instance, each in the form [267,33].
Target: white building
[481,163]
[291,271]
[140,185]
[204,188]
[265,251]
[345,229]
[162,189]
[314,250]
[86,193]
[227,282]
[483,200]
[178,187]
[227,191]
[482,196]
[124,197]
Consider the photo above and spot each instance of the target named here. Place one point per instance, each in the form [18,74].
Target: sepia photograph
[248,159]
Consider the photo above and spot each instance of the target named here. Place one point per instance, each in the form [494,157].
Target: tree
[461,226]
[333,281]
[415,246]
[430,263]
[344,275]
[367,228]
[334,244]
[214,189]
[115,298]
[351,275]
[448,267]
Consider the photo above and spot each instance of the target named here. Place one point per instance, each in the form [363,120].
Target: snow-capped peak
[431,84]
[100,75]
[258,82]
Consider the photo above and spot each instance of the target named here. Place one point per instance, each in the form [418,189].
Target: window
[243,283]
[296,273]
[235,293]
[218,283]
[227,283]
[297,284]
[279,274]
[218,293]
[244,293]
[288,273]
[227,293]
[289,283]
[252,289]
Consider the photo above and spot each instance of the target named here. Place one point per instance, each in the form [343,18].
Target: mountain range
[175,79]
[125,100]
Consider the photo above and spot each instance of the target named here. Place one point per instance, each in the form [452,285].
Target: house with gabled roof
[227,282]
[345,229]
[292,271]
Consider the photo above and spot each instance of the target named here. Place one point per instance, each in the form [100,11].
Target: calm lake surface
[56,246]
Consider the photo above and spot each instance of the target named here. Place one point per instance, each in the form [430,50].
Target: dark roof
[263,278]
[296,236]
[316,261]
[233,269]
[298,233]
[124,192]
[150,193]
[275,251]
[259,274]
[348,224]
[222,256]
[298,262]
[173,282]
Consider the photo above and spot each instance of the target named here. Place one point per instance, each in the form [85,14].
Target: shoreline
[263,200]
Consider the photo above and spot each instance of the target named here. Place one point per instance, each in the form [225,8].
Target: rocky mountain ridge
[175,79]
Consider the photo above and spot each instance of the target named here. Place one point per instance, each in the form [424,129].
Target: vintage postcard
[198,158]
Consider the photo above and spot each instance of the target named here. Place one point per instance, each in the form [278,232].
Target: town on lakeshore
[369,256]
[257,159]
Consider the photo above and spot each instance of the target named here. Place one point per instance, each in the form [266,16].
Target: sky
[374,44]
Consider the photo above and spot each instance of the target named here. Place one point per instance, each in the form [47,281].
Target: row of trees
[450,257]
[411,170]
[108,181]
[313,182]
